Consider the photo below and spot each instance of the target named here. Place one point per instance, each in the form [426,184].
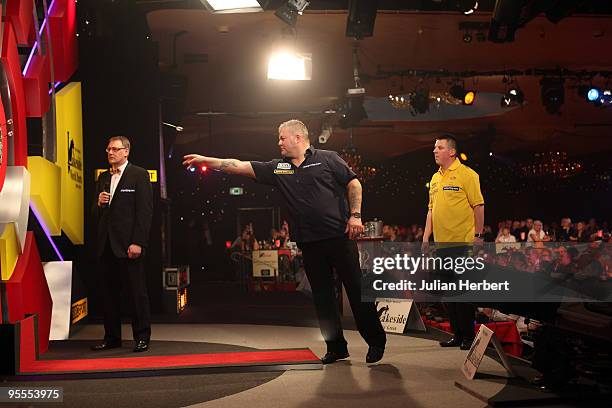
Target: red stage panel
[166,362]
[19,12]
[29,364]
[12,66]
[4,151]
[27,292]
[36,86]
[62,23]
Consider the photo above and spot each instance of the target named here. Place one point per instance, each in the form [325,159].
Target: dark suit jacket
[128,218]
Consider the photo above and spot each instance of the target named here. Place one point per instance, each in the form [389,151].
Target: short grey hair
[125,142]
[296,126]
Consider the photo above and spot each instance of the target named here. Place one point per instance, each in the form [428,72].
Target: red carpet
[30,365]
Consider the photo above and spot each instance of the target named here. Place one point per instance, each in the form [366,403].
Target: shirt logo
[127,190]
[276,171]
[453,188]
[311,165]
[284,166]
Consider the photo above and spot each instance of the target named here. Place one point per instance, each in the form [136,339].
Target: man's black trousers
[129,274]
[342,255]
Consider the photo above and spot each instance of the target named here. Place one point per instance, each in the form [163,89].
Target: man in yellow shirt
[456,215]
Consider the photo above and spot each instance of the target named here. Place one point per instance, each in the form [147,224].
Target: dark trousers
[342,254]
[461,315]
[129,274]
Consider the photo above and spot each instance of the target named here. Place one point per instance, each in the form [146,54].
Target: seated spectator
[403,234]
[589,265]
[537,234]
[546,255]
[505,237]
[419,234]
[523,230]
[580,234]
[563,267]
[246,242]
[533,259]
[566,230]
[388,233]
[518,261]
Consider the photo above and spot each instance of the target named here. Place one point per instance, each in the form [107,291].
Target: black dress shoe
[375,353]
[106,345]
[466,344]
[453,342]
[141,345]
[333,356]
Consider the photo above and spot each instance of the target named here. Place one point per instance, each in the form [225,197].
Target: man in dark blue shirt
[315,185]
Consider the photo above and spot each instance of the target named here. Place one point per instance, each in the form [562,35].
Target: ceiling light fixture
[232,6]
[289,11]
[290,66]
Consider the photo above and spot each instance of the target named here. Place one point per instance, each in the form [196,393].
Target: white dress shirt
[115,180]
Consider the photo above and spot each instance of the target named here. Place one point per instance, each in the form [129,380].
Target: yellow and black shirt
[452,198]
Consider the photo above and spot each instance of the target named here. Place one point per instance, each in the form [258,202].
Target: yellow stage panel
[9,250]
[69,130]
[45,192]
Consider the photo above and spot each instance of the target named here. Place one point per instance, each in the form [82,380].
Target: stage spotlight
[467,7]
[469,97]
[192,169]
[605,98]
[490,154]
[463,157]
[204,169]
[459,92]
[289,12]
[553,94]
[593,94]
[513,97]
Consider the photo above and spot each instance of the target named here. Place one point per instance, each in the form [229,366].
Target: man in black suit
[125,208]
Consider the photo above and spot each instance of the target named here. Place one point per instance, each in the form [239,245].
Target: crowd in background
[527,230]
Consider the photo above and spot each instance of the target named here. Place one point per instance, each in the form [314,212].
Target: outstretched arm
[229,166]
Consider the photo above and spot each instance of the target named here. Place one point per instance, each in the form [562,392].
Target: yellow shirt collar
[452,167]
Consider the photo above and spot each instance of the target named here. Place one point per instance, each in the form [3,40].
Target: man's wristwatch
[479,235]
[356,214]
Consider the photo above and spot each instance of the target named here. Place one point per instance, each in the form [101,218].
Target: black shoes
[453,342]
[333,356]
[375,353]
[106,345]
[463,344]
[466,344]
[141,345]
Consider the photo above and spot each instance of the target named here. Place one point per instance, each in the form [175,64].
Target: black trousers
[460,314]
[342,254]
[129,275]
